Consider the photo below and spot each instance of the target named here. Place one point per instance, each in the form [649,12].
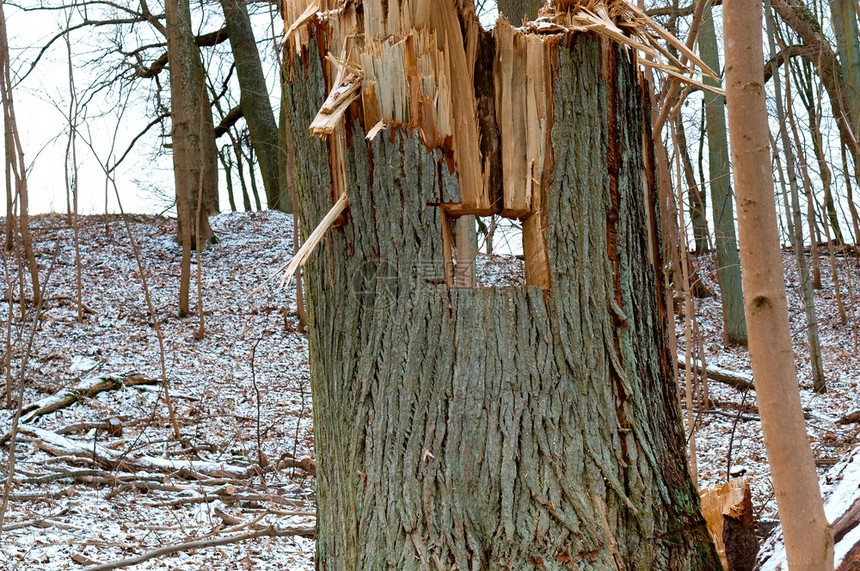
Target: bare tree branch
[229,120]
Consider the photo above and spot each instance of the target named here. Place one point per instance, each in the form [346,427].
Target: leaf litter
[104,479]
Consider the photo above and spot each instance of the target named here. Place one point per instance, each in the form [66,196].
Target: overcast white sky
[145,178]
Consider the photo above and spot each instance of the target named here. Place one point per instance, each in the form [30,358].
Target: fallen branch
[309,532]
[84,307]
[738,380]
[231,499]
[732,415]
[58,445]
[87,388]
[305,464]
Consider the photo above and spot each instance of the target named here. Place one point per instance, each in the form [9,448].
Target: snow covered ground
[723,428]
[242,393]
[76,519]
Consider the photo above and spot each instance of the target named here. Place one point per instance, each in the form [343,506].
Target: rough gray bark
[494,428]
[725,240]
[254,96]
[194,153]
[517,11]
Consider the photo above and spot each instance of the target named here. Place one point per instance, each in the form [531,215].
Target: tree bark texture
[725,239]
[195,169]
[194,151]
[493,428]
[808,537]
[254,96]
[517,11]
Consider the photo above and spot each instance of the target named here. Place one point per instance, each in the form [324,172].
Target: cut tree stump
[728,511]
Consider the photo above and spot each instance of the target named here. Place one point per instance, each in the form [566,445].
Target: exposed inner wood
[728,513]
[424,66]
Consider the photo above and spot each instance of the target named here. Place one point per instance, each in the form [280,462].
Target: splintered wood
[728,512]
[523,101]
[412,63]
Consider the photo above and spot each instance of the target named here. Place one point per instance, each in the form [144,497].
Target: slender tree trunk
[808,537]
[820,54]
[226,164]
[807,183]
[252,178]
[698,211]
[255,96]
[830,217]
[467,251]
[812,101]
[476,428]
[849,196]
[689,311]
[191,152]
[796,228]
[843,16]
[725,242]
[813,231]
[16,170]
[240,159]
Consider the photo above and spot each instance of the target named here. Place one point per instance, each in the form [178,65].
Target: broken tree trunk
[475,428]
[729,512]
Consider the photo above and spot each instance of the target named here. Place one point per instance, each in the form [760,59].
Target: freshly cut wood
[413,63]
[728,511]
[87,388]
[734,378]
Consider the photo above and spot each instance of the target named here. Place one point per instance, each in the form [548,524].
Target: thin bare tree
[808,537]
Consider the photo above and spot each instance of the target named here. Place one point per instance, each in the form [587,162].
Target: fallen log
[58,445]
[739,380]
[86,388]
